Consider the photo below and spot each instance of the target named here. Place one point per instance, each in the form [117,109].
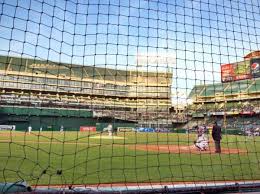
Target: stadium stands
[212,90]
[142,97]
[234,103]
[222,91]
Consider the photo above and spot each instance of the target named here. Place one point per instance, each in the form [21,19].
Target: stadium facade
[45,94]
[236,100]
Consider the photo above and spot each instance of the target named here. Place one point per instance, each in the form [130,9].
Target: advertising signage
[235,71]
[227,73]
[255,67]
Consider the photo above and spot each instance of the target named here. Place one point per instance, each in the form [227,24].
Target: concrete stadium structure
[237,99]
[46,92]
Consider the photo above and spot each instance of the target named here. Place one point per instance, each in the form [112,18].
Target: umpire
[216,135]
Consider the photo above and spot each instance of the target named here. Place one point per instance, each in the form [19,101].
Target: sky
[200,35]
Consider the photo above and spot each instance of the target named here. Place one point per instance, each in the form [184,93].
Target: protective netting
[114,94]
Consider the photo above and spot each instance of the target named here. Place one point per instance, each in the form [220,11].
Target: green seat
[255,87]
[237,87]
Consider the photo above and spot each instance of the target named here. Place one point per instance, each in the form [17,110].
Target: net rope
[103,94]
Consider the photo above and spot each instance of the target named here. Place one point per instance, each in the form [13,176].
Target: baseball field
[43,158]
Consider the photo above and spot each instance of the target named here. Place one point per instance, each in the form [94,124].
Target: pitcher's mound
[184,149]
[106,137]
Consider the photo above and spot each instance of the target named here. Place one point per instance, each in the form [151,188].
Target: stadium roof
[225,90]
[67,71]
[252,55]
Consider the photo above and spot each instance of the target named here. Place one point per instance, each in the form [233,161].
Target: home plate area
[184,149]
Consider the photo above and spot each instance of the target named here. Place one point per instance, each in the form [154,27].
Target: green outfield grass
[36,158]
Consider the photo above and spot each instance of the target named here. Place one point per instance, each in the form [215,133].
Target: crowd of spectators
[247,106]
[247,125]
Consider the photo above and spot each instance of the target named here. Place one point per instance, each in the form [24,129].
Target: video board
[236,71]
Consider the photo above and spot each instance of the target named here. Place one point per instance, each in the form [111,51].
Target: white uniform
[29,129]
[110,129]
[202,142]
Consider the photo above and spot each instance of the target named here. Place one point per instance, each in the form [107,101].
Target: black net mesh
[134,93]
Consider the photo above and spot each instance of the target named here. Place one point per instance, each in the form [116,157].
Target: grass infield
[76,158]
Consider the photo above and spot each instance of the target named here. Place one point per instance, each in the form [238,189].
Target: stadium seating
[237,87]
[196,91]
[255,86]
[219,91]
[212,90]
[238,122]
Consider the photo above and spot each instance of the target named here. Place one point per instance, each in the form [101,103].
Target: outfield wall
[52,119]
[48,123]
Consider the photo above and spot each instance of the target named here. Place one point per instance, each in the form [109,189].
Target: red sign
[227,73]
[247,112]
[88,128]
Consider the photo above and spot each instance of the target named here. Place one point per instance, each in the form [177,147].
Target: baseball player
[29,129]
[61,128]
[109,129]
[202,142]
